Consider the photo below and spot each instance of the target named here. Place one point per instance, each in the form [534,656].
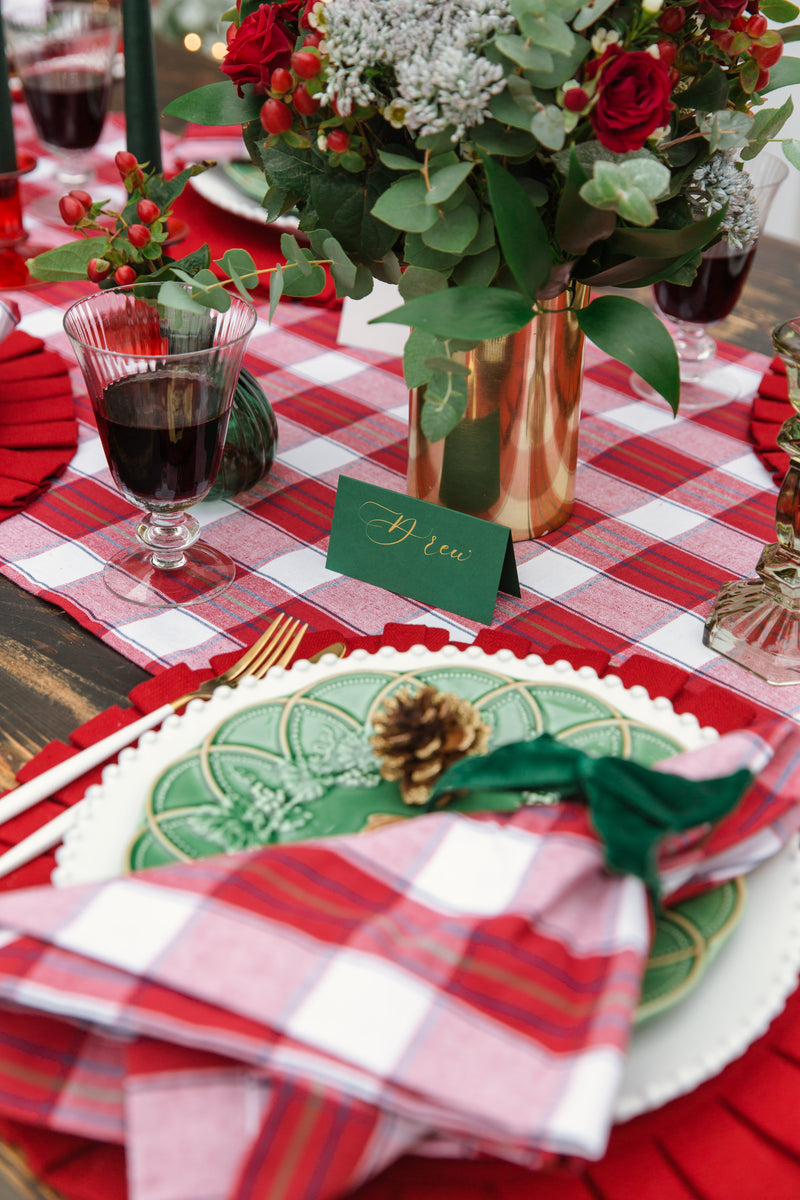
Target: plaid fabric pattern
[288,1021]
[667,510]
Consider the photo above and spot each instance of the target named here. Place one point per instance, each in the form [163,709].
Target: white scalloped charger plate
[734,1002]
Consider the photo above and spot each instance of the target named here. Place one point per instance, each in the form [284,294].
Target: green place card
[420,550]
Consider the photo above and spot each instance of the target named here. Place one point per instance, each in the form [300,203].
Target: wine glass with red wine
[63,52]
[161,377]
[717,286]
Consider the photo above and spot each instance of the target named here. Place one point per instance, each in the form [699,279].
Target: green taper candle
[141,100]
[8,152]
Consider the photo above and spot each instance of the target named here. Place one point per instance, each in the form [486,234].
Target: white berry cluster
[719,182]
[420,60]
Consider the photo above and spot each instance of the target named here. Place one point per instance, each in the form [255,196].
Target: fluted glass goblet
[161,379]
[63,52]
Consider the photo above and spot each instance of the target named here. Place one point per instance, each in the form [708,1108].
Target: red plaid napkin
[38,431]
[770,409]
[383,957]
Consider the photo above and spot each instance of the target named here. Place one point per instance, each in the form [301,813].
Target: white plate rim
[658,1068]
[215,187]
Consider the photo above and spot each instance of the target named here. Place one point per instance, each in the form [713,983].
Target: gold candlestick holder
[756,622]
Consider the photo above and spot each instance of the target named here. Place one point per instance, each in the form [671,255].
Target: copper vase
[512,457]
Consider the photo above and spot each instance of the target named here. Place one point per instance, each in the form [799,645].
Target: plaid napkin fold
[289,1021]
[38,430]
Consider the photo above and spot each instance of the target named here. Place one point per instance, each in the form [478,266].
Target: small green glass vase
[251,442]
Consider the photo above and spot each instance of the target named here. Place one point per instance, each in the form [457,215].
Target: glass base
[750,626]
[205,573]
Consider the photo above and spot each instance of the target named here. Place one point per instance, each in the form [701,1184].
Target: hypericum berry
[575,99]
[338,140]
[762,79]
[124,275]
[98,269]
[148,211]
[738,25]
[672,19]
[756,25]
[125,162]
[306,64]
[280,80]
[303,102]
[767,56]
[139,235]
[275,116]
[82,197]
[667,52]
[312,39]
[71,210]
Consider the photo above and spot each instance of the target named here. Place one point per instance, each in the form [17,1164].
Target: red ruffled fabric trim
[38,430]
[770,409]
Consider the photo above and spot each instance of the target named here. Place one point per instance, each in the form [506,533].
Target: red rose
[722,10]
[262,42]
[632,98]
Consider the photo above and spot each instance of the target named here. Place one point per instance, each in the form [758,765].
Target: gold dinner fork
[275,647]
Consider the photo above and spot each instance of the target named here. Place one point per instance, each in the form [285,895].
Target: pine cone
[419,735]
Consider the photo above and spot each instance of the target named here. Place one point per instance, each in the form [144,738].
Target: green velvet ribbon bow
[632,807]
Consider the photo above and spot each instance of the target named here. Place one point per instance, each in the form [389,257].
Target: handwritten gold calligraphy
[387,527]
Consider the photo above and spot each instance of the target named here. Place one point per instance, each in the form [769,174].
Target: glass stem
[168,535]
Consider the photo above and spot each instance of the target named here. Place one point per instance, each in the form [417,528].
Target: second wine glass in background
[63,52]
[721,275]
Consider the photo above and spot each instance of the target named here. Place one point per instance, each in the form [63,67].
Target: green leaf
[520,229]
[709,93]
[524,52]
[417,254]
[578,224]
[464,312]
[444,405]
[779,11]
[453,231]
[297,284]
[767,124]
[724,130]
[417,281]
[791,152]
[293,253]
[208,291]
[398,162]
[548,125]
[514,107]
[547,29]
[478,270]
[666,243]
[275,290]
[175,295]
[69,261]
[589,14]
[404,206]
[217,104]
[342,268]
[419,347]
[241,268]
[565,66]
[500,140]
[446,181]
[631,333]
[484,238]
[440,362]
[785,73]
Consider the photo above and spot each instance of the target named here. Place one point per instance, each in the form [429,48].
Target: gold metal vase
[512,457]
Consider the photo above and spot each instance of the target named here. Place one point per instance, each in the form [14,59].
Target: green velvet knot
[632,807]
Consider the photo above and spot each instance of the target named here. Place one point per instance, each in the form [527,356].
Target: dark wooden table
[56,675]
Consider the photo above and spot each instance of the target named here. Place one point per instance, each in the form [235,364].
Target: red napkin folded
[770,409]
[38,430]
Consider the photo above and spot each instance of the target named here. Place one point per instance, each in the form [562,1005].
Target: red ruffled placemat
[734,1138]
[770,409]
[38,430]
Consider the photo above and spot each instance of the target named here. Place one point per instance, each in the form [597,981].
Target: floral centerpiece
[490,155]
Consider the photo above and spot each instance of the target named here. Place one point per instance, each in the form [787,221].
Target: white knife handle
[27,794]
[39,841]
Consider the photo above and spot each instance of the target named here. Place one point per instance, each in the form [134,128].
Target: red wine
[163,435]
[714,292]
[68,107]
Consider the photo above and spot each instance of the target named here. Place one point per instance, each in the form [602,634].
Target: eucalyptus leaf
[175,295]
[724,130]
[500,140]
[484,238]
[464,312]
[547,28]
[241,268]
[478,270]
[445,181]
[296,284]
[791,152]
[450,366]
[293,253]
[344,269]
[548,126]
[453,231]
[420,255]
[767,124]
[632,334]
[565,66]
[417,281]
[404,206]
[275,289]
[444,405]
[398,162]
[419,347]
[524,52]
[590,12]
